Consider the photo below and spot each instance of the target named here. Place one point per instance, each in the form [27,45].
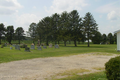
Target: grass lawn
[92,76]
[7,55]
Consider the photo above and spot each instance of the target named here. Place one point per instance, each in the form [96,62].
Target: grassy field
[7,55]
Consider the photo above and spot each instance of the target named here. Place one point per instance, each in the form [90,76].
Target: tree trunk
[47,42]
[55,42]
[19,41]
[75,43]
[64,43]
[88,40]
[69,42]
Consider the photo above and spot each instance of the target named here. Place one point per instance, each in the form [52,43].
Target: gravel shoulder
[41,68]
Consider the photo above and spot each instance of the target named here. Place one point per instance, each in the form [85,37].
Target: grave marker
[45,47]
[27,49]
[17,47]
[56,46]
[39,48]
[11,48]
[32,47]
[50,45]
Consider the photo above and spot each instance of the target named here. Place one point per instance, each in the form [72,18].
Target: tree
[10,33]
[19,34]
[55,21]
[104,38]
[40,30]
[32,31]
[64,27]
[97,38]
[75,25]
[2,31]
[90,26]
[111,38]
[47,32]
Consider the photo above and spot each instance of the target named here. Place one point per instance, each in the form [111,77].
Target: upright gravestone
[27,49]
[17,47]
[11,48]
[5,44]
[45,47]
[39,48]
[32,47]
[13,45]
[56,46]
[50,45]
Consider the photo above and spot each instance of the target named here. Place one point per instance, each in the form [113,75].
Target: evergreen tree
[64,27]
[2,31]
[97,38]
[104,38]
[32,31]
[75,25]
[111,38]
[90,26]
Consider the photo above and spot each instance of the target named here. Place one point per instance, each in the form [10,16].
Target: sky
[21,13]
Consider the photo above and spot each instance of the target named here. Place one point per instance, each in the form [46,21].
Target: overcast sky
[21,13]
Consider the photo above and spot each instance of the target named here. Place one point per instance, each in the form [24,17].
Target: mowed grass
[92,76]
[7,55]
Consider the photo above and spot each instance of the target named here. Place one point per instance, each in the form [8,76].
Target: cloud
[112,10]
[25,20]
[113,15]
[109,7]
[8,7]
[59,6]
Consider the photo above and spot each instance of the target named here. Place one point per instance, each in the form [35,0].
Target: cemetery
[30,52]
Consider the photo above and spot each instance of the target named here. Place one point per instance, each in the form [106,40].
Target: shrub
[112,69]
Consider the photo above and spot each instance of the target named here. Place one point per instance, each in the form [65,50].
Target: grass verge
[92,76]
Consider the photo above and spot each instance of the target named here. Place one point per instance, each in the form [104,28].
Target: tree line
[61,27]
[10,34]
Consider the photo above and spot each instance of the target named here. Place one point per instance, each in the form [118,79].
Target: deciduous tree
[10,33]
[19,34]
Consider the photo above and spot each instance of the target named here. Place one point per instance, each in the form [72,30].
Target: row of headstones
[45,47]
[17,47]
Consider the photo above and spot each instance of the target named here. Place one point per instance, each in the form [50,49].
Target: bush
[112,69]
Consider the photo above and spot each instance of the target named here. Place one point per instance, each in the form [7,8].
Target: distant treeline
[61,27]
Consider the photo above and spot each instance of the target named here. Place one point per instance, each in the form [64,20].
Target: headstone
[11,48]
[39,48]
[27,49]
[5,44]
[56,46]
[50,45]
[13,45]
[45,47]
[32,47]
[17,47]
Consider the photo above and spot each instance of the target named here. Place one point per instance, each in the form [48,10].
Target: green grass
[92,76]
[7,55]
